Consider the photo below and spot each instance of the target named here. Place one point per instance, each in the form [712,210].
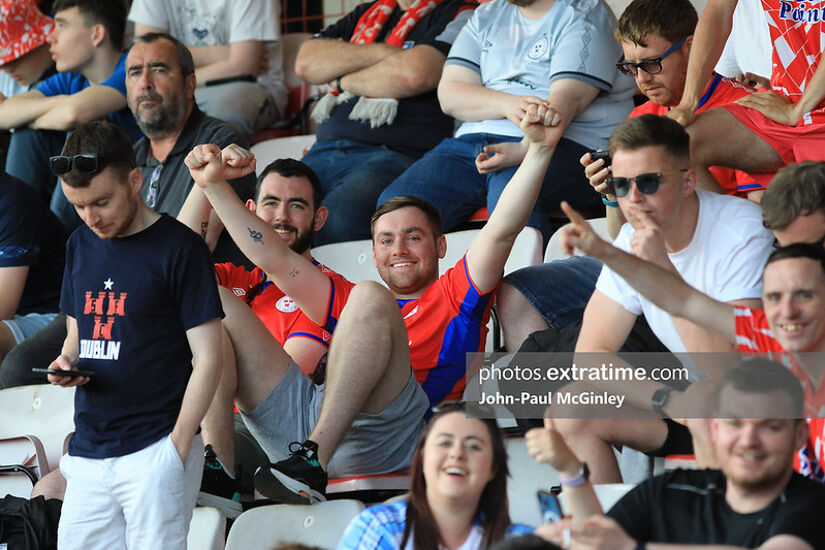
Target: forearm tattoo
[256,236]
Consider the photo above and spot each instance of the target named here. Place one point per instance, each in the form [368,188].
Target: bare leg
[51,485]
[368,366]
[519,319]
[217,427]
[736,147]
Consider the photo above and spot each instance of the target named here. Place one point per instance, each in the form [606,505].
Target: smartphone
[550,506]
[59,372]
[596,155]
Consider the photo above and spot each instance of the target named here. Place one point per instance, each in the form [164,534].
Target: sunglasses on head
[650,66]
[647,184]
[86,163]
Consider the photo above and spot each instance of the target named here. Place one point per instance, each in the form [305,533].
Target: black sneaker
[218,488]
[297,480]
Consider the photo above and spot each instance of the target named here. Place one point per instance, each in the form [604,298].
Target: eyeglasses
[87,163]
[647,184]
[650,66]
[819,242]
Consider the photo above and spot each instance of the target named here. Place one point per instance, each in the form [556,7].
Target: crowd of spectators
[142,258]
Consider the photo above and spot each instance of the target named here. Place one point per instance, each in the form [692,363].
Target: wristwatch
[580,478]
[659,398]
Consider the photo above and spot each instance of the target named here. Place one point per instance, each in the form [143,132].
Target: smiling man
[754,499]
[383,371]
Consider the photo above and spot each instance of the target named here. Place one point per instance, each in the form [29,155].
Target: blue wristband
[611,204]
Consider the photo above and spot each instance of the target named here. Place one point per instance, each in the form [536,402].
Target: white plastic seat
[554,250]
[206,530]
[286,147]
[319,525]
[22,463]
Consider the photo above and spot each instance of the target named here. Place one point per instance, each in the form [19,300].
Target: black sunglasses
[650,66]
[819,242]
[647,184]
[86,163]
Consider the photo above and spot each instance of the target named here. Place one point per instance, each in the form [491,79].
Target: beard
[160,120]
[302,242]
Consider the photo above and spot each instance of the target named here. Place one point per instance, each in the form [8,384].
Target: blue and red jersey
[448,321]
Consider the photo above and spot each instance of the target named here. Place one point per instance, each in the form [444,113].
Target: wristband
[611,204]
[580,478]
[641,545]
[338,85]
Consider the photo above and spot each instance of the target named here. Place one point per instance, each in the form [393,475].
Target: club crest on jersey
[539,48]
[286,305]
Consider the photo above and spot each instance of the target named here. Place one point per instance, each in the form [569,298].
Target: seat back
[206,530]
[320,524]
[554,250]
[285,147]
[22,463]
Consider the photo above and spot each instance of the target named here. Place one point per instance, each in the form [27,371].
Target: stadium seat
[22,463]
[265,527]
[285,147]
[554,250]
[206,530]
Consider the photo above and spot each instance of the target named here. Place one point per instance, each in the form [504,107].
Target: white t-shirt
[221,22]
[749,48]
[724,260]
[521,56]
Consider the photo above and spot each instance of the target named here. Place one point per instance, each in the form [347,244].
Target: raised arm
[489,251]
[322,60]
[292,273]
[662,287]
[712,32]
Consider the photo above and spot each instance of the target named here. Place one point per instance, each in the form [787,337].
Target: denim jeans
[558,290]
[352,175]
[447,177]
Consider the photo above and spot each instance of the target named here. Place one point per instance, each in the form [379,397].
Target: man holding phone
[143,313]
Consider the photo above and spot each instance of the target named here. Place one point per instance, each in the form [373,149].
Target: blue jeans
[558,290]
[447,177]
[352,174]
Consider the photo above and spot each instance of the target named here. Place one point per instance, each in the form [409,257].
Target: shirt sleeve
[586,49]
[612,285]
[62,84]
[445,23]
[151,13]
[253,20]
[367,532]
[19,232]
[118,78]
[466,49]
[194,286]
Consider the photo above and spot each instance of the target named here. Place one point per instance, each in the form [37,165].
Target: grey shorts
[374,444]
[23,326]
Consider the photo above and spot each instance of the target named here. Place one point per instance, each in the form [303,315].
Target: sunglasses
[819,242]
[647,184]
[87,163]
[650,66]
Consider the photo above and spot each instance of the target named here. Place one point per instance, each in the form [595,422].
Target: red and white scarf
[376,111]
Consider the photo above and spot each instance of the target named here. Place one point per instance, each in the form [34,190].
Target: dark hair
[673,20]
[493,509]
[796,190]
[651,131]
[525,542]
[291,168]
[185,61]
[811,251]
[109,13]
[395,203]
[761,375]
[110,143]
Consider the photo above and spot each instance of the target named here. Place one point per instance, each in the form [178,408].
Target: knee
[371,302]
[51,485]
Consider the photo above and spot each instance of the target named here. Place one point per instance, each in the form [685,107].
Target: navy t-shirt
[31,235]
[419,124]
[134,298]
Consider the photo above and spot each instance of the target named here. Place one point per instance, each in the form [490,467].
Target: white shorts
[136,501]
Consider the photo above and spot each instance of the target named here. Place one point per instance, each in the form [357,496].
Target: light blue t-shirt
[71,83]
[521,56]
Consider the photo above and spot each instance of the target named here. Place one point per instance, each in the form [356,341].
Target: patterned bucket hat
[22,28]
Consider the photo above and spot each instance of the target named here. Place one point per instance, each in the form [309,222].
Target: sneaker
[297,480]
[218,488]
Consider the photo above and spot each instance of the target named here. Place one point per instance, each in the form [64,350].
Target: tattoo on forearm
[257,236]
[204,228]
[294,273]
